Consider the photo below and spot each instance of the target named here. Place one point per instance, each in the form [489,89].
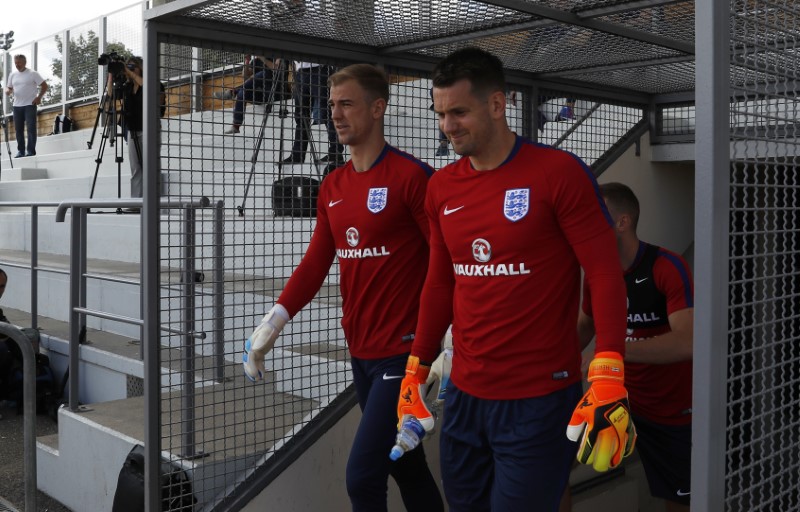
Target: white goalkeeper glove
[440,371]
[261,342]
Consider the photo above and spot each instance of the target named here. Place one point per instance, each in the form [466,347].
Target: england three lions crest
[376,199]
[517,203]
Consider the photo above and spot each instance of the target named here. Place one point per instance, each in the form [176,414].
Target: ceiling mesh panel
[615,43]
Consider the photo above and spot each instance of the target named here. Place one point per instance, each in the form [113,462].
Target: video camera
[115,63]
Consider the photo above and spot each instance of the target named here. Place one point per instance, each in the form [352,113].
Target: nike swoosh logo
[334,203]
[454,210]
[681,493]
[641,280]
[390,377]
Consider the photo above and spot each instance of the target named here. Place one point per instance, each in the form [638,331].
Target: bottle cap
[396,453]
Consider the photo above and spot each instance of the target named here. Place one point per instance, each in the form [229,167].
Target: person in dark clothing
[133,109]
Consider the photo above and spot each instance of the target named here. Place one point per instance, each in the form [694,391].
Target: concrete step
[101,436]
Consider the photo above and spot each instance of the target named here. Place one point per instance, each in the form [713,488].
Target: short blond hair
[372,79]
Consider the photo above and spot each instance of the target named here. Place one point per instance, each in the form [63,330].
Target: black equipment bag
[62,124]
[176,489]
[295,196]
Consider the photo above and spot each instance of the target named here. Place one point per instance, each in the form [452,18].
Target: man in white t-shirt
[28,88]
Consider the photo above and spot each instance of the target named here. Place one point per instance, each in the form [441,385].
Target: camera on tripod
[115,63]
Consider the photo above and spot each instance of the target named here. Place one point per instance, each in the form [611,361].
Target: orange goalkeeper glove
[412,393]
[602,421]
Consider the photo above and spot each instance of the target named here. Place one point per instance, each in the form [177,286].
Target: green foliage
[83,68]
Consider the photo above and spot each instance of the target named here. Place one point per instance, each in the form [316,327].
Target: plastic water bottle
[408,438]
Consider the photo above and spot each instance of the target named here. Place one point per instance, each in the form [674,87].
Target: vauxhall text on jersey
[507,245]
[374,223]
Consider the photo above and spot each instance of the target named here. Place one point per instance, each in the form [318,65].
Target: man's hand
[412,394]
[261,342]
[602,422]
[440,371]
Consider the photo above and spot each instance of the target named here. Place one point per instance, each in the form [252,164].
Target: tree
[83,69]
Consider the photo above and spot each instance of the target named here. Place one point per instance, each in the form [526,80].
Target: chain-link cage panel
[257,146]
[124,31]
[48,65]
[675,119]
[763,359]
[588,127]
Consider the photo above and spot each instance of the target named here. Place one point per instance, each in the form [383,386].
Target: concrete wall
[666,196]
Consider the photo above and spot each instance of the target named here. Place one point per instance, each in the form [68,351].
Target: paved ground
[12,469]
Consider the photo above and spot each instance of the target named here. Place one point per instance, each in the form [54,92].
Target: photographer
[133,118]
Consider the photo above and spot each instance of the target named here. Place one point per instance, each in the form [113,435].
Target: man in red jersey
[512,224]
[658,354]
[370,215]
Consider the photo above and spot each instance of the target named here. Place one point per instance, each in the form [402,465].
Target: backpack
[62,124]
[45,385]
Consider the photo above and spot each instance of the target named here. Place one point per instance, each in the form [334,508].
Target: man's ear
[623,221]
[378,108]
[497,104]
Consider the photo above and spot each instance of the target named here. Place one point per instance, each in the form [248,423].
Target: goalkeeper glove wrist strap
[607,366]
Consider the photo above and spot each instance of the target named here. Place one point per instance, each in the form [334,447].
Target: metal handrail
[29,409]
[34,206]
[78,310]
[77,292]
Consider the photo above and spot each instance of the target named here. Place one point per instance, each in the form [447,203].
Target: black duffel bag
[295,196]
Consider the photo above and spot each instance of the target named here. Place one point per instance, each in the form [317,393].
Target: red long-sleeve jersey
[506,250]
[374,222]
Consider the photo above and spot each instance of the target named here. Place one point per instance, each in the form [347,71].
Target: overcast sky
[42,18]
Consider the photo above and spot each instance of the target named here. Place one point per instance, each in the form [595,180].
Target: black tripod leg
[99,159]
[276,78]
[8,145]
[312,145]
[100,109]
[281,112]
[253,160]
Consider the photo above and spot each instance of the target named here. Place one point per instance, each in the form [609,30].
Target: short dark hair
[370,78]
[20,57]
[136,60]
[3,274]
[483,70]
[621,199]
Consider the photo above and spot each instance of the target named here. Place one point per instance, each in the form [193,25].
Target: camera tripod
[111,134]
[277,78]
[8,146]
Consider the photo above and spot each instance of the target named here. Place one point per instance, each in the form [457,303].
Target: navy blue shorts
[666,454]
[377,383]
[507,454]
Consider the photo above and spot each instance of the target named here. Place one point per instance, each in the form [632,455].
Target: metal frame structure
[638,51]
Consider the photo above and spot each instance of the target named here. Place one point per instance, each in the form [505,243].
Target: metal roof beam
[550,16]
[617,67]
[594,24]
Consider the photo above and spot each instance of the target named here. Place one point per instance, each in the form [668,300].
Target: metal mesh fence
[224,266]
[124,28]
[763,405]
[588,127]
[83,68]
[48,64]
